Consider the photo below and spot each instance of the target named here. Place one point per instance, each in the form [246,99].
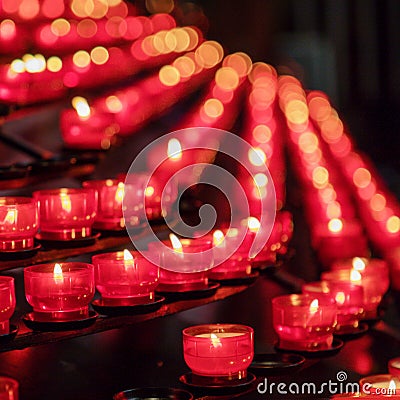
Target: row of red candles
[126,278]
[36,78]
[121,112]
[346,205]
[66,31]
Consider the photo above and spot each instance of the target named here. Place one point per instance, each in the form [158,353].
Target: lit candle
[184,263]
[59,292]
[8,388]
[234,267]
[66,214]
[110,195]
[394,366]
[384,385]
[348,296]
[125,278]
[221,350]
[18,223]
[157,197]
[373,267]
[7,303]
[338,239]
[303,322]
[373,292]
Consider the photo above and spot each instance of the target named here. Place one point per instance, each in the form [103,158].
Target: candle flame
[340,298]
[216,342]
[174,150]
[392,386]
[253,224]
[314,306]
[81,106]
[355,276]
[65,202]
[128,255]
[176,243]
[149,191]
[359,263]
[335,225]
[218,237]
[119,194]
[10,217]
[128,259]
[58,273]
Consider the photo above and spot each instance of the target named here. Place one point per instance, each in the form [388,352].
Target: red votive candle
[383,385]
[59,291]
[373,292]
[185,264]
[219,350]
[234,267]
[18,223]
[7,303]
[110,194]
[373,267]
[394,366]
[125,278]
[349,299]
[66,214]
[154,190]
[8,388]
[338,239]
[304,322]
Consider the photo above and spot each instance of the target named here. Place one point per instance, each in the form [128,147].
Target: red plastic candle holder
[304,322]
[186,269]
[125,278]
[394,366]
[381,386]
[110,194]
[338,239]
[234,267]
[219,350]
[59,291]
[7,303]
[373,293]
[157,195]
[9,388]
[66,214]
[349,299]
[367,267]
[19,223]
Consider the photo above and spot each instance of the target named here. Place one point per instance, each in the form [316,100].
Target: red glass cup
[394,366]
[7,303]
[122,280]
[66,214]
[304,322]
[159,196]
[373,292]
[349,299]
[234,267]
[372,267]
[59,291]
[8,388]
[332,244]
[19,223]
[219,350]
[186,270]
[110,194]
[381,386]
